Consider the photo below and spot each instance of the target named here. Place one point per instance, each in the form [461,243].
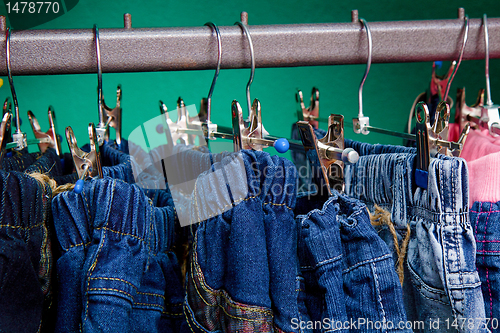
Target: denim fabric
[485,217]
[348,269]
[50,164]
[243,269]
[116,272]
[19,161]
[25,254]
[441,281]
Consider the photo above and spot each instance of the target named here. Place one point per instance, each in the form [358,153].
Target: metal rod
[487,60]
[167,49]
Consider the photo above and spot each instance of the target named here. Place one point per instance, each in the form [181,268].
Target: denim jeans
[243,273]
[441,281]
[484,217]
[26,278]
[19,160]
[349,279]
[116,271]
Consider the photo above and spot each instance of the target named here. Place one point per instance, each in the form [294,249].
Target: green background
[388,93]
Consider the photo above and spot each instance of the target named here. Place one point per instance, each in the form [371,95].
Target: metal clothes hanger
[108,117]
[19,141]
[50,135]
[253,136]
[481,115]
[361,123]
[490,115]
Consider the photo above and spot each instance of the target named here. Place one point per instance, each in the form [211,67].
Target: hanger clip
[311,113]
[86,164]
[244,136]
[4,132]
[327,155]
[49,138]
[431,140]
[111,117]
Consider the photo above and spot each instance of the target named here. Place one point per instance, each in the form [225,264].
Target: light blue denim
[440,277]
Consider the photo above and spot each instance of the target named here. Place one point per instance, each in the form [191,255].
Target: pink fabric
[453,132]
[482,153]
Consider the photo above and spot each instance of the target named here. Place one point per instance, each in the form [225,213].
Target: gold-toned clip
[113,117]
[86,164]
[328,155]
[311,113]
[4,132]
[49,138]
[432,139]
[464,113]
[243,135]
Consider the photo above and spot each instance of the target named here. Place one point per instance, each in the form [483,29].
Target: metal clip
[86,164]
[7,108]
[327,155]
[431,140]
[4,132]
[439,83]
[465,113]
[254,129]
[50,136]
[113,117]
[310,114]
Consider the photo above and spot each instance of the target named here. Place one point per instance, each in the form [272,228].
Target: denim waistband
[388,181]
[19,160]
[107,197]
[243,176]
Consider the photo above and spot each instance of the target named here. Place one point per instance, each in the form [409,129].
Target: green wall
[388,94]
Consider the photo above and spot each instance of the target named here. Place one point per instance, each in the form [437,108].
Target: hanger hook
[252,56]
[99,74]
[466,33]
[368,65]
[217,70]
[489,102]
[11,82]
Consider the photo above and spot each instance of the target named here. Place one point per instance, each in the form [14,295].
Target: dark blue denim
[49,163]
[19,161]
[116,272]
[485,219]
[348,269]
[25,254]
[243,274]
[441,281]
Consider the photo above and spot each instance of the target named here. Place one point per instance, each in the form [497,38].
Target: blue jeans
[116,271]
[485,217]
[441,281]
[243,273]
[26,265]
[347,268]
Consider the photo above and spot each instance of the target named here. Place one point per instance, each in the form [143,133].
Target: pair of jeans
[243,273]
[349,279]
[441,282]
[116,271]
[484,217]
[26,277]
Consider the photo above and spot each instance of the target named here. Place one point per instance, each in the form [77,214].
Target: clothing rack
[36,52]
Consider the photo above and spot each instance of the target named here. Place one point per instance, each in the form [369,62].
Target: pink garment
[482,153]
